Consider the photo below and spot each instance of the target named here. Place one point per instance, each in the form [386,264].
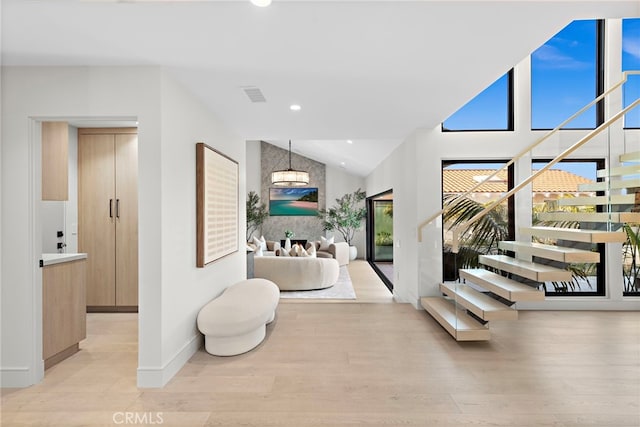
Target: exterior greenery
[256,213]
[346,216]
[482,237]
[630,256]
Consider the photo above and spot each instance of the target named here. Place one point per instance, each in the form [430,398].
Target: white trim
[150,377]
[16,377]
[35,247]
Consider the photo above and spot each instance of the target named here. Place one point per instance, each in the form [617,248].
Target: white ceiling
[369,71]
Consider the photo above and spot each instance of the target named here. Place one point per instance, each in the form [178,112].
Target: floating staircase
[489,293]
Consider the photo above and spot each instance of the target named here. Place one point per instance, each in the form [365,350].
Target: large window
[458,177]
[566,74]
[563,181]
[631,61]
[491,110]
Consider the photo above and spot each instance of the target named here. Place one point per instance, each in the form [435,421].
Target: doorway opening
[60,235]
[380,236]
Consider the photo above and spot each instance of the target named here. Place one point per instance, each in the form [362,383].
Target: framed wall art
[216,205]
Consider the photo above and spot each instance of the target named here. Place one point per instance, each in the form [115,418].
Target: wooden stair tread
[478,303]
[619,171]
[500,285]
[630,157]
[616,184]
[630,217]
[460,325]
[556,253]
[603,217]
[615,199]
[576,234]
[530,270]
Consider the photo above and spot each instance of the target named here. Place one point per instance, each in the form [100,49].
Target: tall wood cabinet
[108,216]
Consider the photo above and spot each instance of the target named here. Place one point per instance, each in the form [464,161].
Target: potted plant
[346,217]
[256,213]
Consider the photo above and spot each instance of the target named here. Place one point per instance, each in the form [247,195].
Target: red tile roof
[551,181]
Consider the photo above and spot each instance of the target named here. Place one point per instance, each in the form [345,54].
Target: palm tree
[481,237]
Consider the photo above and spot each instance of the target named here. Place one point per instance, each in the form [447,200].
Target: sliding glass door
[380,235]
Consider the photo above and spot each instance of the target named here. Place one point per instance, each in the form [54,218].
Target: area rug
[343,289]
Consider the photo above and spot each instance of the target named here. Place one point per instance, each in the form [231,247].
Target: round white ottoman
[235,322]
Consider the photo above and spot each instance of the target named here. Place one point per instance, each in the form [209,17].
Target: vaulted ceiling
[366,71]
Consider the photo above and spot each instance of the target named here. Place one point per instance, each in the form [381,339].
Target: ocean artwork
[293,201]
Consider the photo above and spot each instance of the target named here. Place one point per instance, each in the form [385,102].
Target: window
[491,110]
[631,61]
[550,191]
[458,177]
[566,74]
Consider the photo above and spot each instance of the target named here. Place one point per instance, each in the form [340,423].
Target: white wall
[397,173]
[71,206]
[185,288]
[421,180]
[170,287]
[254,168]
[52,222]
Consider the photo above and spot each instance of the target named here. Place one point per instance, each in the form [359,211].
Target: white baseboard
[149,377]
[16,377]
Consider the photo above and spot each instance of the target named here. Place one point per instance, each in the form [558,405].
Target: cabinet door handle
[117,208]
[110,208]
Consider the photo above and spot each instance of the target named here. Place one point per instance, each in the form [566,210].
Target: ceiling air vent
[254,94]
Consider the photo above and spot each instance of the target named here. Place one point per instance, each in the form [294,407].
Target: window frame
[510,109]
[601,270]
[511,201]
[622,69]
[599,78]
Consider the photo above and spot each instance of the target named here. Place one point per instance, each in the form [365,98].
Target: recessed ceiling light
[349,141]
[295,107]
[343,164]
[261,3]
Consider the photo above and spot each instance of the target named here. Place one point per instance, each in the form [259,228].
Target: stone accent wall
[305,227]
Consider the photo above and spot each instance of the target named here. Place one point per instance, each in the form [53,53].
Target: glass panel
[383,225]
[490,110]
[484,235]
[631,61]
[564,77]
[551,191]
[380,236]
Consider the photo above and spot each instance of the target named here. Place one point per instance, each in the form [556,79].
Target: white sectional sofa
[338,251]
[297,273]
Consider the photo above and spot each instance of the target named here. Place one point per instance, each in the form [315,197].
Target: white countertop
[50,259]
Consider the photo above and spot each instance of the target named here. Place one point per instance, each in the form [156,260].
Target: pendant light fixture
[290,177]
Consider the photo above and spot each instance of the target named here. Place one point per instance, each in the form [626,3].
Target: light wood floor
[366,284]
[358,364]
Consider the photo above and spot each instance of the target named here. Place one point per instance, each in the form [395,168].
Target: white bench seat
[235,322]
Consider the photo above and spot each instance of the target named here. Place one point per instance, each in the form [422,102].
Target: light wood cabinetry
[108,216]
[63,310]
[55,161]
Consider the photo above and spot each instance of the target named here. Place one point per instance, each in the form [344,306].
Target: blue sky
[631,61]
[563,81]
